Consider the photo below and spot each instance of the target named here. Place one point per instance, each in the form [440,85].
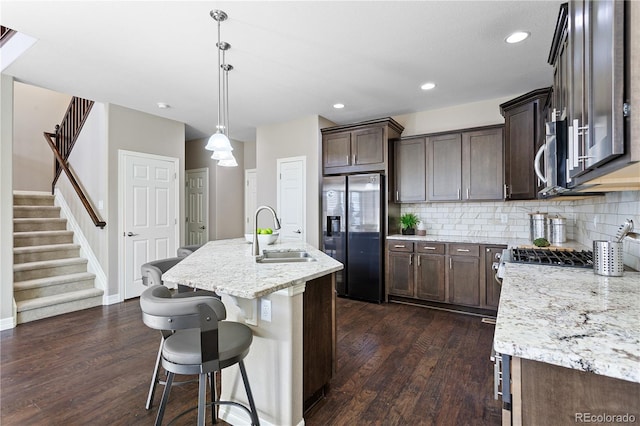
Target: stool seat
[183,347]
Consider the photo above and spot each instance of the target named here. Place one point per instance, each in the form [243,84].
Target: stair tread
[42,233]
[48,263]
[49,281]
[30,304]
[20,193]
[35,207]
[47,247]
[38,219]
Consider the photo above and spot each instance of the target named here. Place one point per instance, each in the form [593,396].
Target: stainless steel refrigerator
[352,233]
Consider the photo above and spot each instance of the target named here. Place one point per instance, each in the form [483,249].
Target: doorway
[197,206]
[147,197]
[292,197]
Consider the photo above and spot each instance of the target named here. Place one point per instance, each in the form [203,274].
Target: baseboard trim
[93,264]
[111,299]
[7,323]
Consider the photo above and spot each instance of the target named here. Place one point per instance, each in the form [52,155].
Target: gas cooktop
[576,259]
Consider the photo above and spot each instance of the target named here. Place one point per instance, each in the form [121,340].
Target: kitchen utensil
[537,225]
[557,229]
[607,258]
[624,229]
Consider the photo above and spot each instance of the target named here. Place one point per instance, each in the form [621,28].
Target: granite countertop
[228,267]
[511,242]
[571,317]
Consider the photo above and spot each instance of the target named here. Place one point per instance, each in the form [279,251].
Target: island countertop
[228,267]
[571,317]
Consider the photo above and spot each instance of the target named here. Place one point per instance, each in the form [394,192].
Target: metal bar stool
[201,343]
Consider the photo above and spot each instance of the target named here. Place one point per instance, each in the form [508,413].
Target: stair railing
[61,143]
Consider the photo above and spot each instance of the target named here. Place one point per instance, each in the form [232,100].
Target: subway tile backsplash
[596,218]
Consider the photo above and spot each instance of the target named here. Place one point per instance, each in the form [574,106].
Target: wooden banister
[50,138]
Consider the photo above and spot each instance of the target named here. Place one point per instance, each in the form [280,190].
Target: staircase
[49,276]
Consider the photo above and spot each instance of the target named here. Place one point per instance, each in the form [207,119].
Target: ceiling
[291,59]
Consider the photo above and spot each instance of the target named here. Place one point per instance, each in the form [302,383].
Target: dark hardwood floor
[397,365]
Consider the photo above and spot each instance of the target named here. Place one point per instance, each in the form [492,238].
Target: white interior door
[292,197]
[149,212]
[250,200]
[197,208]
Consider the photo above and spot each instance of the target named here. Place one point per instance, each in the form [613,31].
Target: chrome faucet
[276,225]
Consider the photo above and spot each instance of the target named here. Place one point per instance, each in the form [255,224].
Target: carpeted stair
[49,276]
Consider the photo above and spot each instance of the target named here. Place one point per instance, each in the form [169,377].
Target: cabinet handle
[505,191]
[418,260]
[498,256]
[468,194]
[354,159]
[399,246]
[411,259]
[459,193]
[397,195]
[429,248]
[463,250]
[347,159]
[487,250]
[450,265]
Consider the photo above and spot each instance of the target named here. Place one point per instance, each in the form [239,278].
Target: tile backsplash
[596,218]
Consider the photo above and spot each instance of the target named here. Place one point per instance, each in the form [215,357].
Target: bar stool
[185,251]
[151,276]
[200,343]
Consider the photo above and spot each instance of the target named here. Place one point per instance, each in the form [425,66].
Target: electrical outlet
[265,310]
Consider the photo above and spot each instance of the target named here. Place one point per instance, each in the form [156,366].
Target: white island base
[274,363]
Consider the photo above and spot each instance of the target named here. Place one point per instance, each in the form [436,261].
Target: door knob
[202,227]
[297,231]
[131,234]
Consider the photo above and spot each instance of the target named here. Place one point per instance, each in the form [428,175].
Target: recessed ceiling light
[428,86]
[338,106]
[517,37]
[162,105]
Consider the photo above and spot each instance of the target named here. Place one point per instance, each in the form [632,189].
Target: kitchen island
[574,342]
[281,302]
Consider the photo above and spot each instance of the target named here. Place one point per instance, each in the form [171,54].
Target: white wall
[132,130]
[7,315]
[291,139]
[483,113]
[36,110]
[226,188]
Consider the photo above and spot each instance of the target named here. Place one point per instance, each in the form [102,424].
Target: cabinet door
[411,170]
[578,113]
[464,280]
[368,146]
[482,165]
[445,167]
[401,273]
[336,150]
[430,281]
[520,143]
[492,288]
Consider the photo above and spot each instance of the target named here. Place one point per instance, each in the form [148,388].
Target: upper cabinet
[524,119]
[466,166]
[361,147]
[410,170]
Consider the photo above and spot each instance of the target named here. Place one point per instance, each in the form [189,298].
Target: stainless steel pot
[537,225]
[557,229]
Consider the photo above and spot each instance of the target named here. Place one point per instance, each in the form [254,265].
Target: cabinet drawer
[464,250]
[430,248]
[405,246]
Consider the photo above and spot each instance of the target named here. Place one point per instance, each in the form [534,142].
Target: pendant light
[219,141]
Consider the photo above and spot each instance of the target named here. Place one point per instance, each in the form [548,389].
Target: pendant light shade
[219,142]
[222,155]
[228,163]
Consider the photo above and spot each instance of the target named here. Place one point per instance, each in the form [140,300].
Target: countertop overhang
[571,317]
[228,267]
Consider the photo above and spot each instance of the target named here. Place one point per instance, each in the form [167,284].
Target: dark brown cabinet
[361,147]
[459,274]
[463,275]
[524,126]
[492,288]
[466,166]
[410,170]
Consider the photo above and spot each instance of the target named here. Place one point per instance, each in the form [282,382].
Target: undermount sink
[285,256]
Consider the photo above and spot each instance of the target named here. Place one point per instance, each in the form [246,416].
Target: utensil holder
[607,258]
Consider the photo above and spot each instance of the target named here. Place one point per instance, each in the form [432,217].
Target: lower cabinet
[450,273]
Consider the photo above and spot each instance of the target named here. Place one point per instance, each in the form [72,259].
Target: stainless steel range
[576,259]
